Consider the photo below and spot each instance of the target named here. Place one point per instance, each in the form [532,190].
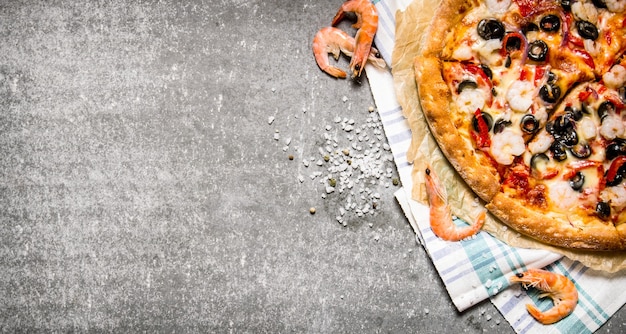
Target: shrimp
[440,215]
[498,6]
[615,77]
[507,145]
[333,40]
[585,11]
[367,24]
[615,6]
[612,127]
[557,287]
[520,95]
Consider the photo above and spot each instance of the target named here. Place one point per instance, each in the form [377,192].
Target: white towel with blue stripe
[479,268]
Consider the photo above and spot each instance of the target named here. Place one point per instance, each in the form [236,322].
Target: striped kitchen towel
[479,268]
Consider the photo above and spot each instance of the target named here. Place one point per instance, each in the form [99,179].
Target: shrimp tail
[468,231]
[537,314]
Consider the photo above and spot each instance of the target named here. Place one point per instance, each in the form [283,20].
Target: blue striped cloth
[479,268]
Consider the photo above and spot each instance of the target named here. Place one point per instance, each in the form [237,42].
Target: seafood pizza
[527,100]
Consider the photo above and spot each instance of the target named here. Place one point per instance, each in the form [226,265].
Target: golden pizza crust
[556,229]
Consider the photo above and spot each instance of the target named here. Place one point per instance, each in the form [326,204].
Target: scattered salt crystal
[276,136]
[426,311]
[270,120]
[344,98]
[300,178]
[330,189]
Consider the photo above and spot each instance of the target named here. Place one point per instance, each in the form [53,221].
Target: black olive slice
[538,161]
[465,84]
[486,118]
[500,125]
[587,30]
[599,3]
[563,123]
[538,50]
[581,151]
[530,27]
[566,4]
[487,71]
[490,29]
[618,178]
[513,43]
[577,181]
[552,77]
[529,123]
[567,138]
[550,92]
[605,109]
[575,113]
[550,23]
[603,210]
[558,151]
[615,148]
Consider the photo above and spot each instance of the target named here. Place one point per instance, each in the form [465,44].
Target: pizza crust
[555,229]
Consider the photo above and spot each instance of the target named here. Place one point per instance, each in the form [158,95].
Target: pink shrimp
[557,287]
[367,24]
[440,214]
[333,40]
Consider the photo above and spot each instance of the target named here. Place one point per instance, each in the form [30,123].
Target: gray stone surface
[146,185]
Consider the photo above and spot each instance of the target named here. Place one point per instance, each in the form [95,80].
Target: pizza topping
[498,6]
[615,173]
[550,92]
[616,148]
[558,150]
[538,50]
[500,125]
[469,100]
[542,168]
[577,181]
[615,77]
[612,127]
[507,145]
[603,210]
[615,6]
[466,84]
[605,109]
[540,143]
[481,122]
[520,95]
[587,30]
[585,11]
[581,150]
[529,124]
[550,23]
[490,29]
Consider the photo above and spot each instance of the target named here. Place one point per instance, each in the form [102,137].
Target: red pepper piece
[482,137]
[615,167]
[586,57]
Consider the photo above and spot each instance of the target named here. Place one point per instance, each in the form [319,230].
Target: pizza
[527,100]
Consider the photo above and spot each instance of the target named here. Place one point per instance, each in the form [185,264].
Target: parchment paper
[411,26]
